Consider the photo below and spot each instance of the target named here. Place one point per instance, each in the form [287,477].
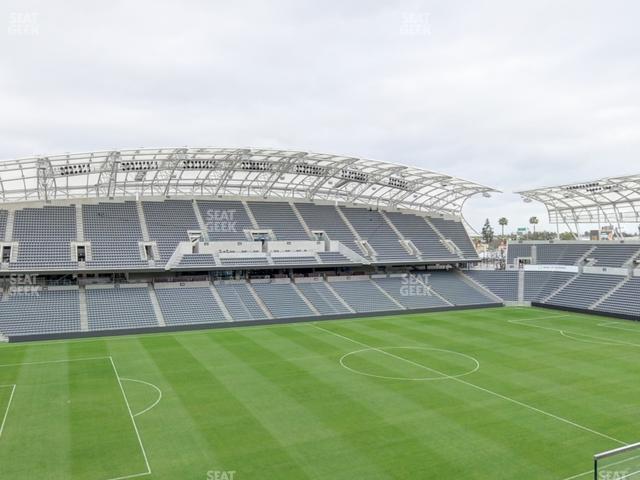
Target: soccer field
[503,393]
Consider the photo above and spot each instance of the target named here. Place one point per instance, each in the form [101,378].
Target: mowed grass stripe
[381,405]
[346,330]
[518,381]
[292,403]
[434,414]
[36,441]
[175,445]
[234,433]
[537,377]
[273,401]
[104,443]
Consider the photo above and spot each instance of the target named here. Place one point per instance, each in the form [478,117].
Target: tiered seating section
[189,305]
[602,254]
[3,223]
[372,227]
[44,236]
[168,223]
[456,290]
[617,255]
[118,308]
[606,293]
[502,284]
[422,235]
[625,300]
[139,306]
[560,254]
[584,290]
[456,232]
[280,218]
[144,235]
[225,220]
[540,285]
[114,232]
[48,312]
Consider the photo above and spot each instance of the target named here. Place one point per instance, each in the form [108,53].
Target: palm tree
[503,222]
[534,221]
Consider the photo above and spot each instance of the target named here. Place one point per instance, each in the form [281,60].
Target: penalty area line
[135,427]
[478,387]
[6,412]
[150,385]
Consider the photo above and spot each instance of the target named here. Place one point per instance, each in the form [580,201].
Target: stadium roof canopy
[612,200]
[278,174]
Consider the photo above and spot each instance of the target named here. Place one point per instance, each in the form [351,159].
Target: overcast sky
[510,94]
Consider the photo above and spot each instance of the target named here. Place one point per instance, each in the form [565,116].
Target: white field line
[135,427]
[478,387]
[617,326]
[45,362]
[572,477]
[150,385]
[567,334]
[610,465]
[6,412]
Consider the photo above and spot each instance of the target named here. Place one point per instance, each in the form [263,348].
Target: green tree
[487,232]
[503,222]
[534,221]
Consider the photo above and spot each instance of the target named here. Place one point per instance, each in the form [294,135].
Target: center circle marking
[475,362]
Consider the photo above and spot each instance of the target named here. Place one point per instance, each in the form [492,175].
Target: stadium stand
[455,290]
[416,229]
[45,235]
[323,299]
[500,283]
[168,223]
[117,307]
[410,292]
[225,220]
[280,218]
[333,257]
[198,260]
[327,219]
[363,296]
[372,227]
[114,232]
[294,260]
[166,259]
[625,300]
[185,305]
[239,301]
[3,223]
[614,255]
[45,312]
[518,250]
[243,261]
[282,300]
[456,232]
[560,254]
[584,290]
[536,283]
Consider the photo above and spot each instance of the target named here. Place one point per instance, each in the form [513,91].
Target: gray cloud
[510,94]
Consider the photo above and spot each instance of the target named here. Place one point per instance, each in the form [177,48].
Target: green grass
[275,402]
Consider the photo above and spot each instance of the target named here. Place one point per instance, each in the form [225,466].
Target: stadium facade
[152,239]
